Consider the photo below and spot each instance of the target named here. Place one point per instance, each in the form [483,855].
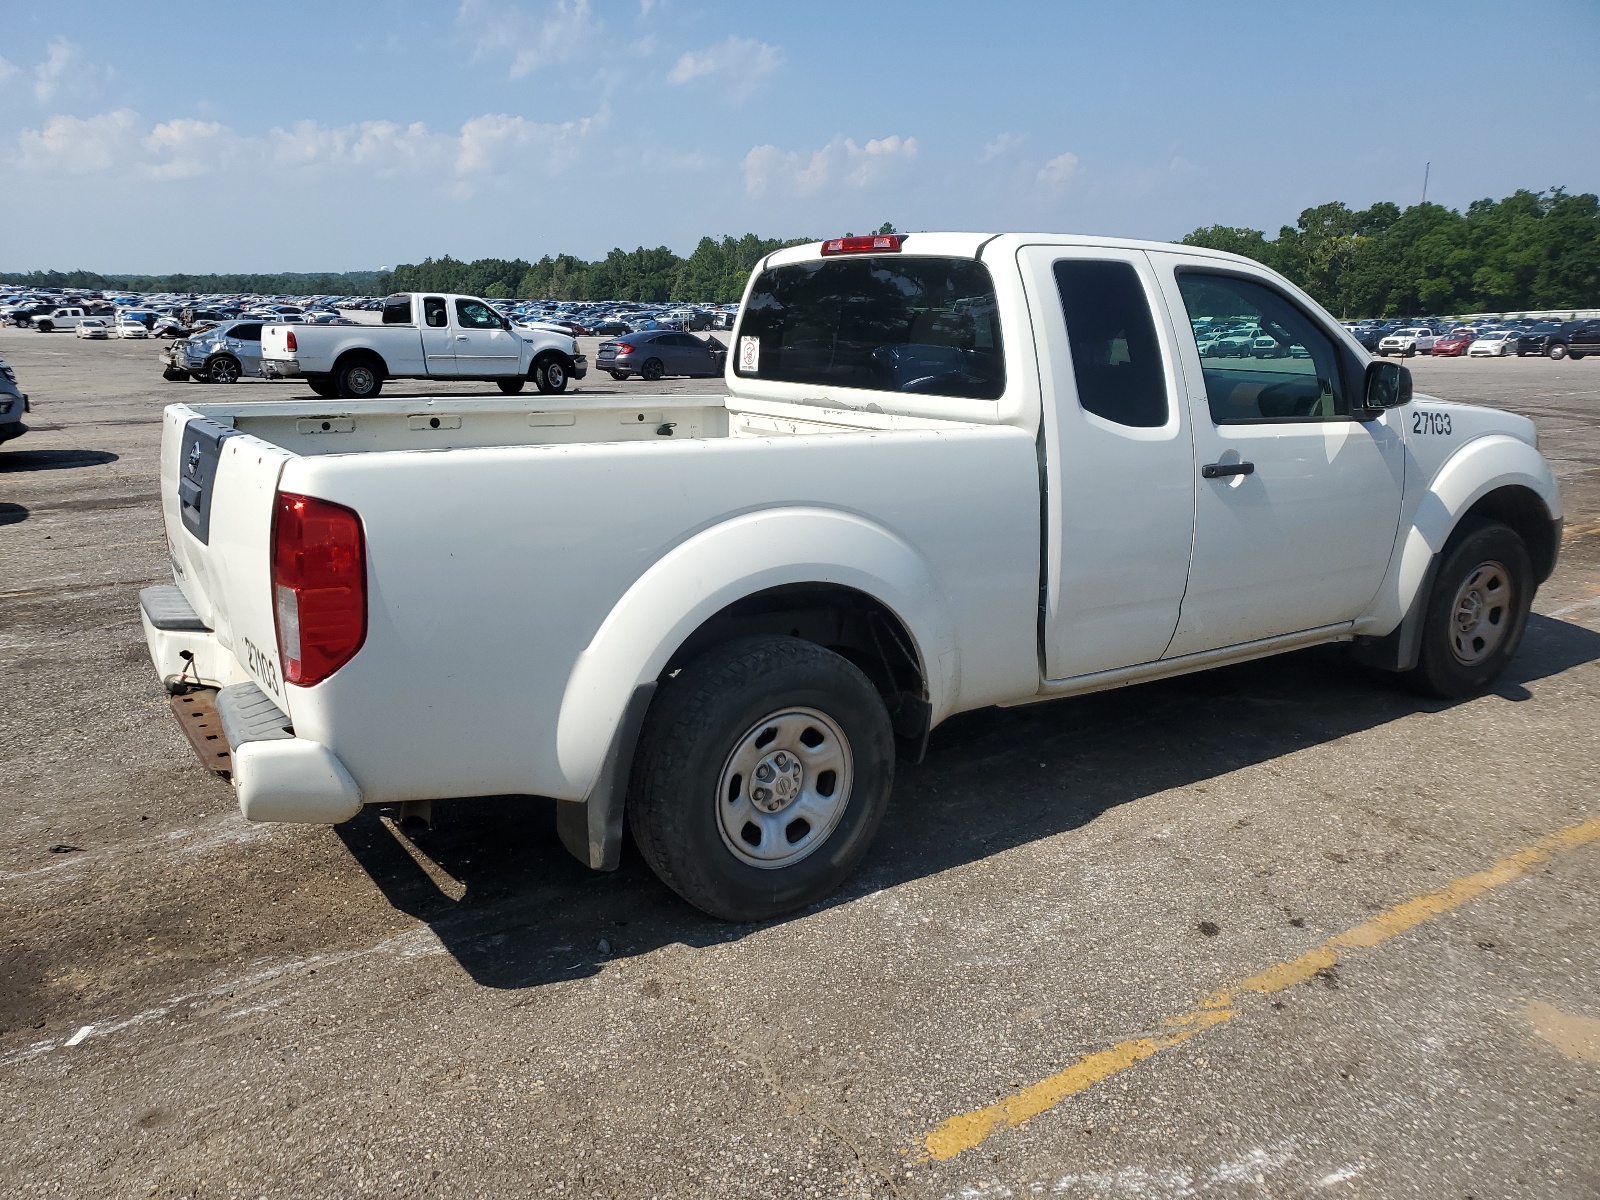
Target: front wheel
[510,386]
[550,375]
[1476,612]
[1557,351]
[763,773]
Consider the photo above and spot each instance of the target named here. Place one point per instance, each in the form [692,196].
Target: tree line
[715,272]
[1531,250]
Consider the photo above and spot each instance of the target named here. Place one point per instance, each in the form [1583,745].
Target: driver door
[485,344]
[1297,502]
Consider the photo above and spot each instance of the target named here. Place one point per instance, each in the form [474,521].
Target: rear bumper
[281,368]
[276,775]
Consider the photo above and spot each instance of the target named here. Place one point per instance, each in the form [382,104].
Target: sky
[309,136]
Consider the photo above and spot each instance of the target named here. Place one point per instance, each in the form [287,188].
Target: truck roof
[968,245]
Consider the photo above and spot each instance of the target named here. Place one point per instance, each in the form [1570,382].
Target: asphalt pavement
[1278,930]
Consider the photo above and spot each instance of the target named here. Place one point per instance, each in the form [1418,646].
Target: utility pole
[1427,168]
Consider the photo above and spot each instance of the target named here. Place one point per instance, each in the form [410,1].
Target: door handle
[461,337]
[1218,470]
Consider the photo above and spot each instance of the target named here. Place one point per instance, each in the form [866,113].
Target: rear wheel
[1476,612]
[652,370]
[223,370]
[510,386]
[358,380]
[763,773]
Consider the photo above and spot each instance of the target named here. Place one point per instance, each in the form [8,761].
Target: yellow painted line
[967,1130]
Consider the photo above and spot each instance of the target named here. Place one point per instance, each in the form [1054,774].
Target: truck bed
[505,576]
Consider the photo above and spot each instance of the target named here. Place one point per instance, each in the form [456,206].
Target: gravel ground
[191,1006]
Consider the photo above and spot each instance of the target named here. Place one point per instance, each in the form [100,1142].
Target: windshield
[884,323]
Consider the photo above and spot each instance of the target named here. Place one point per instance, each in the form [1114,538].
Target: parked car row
[1520,337]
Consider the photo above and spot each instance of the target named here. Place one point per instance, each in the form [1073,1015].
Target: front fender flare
[1482,466]
[736,558]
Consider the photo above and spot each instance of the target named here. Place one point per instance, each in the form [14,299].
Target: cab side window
[246,333]
[1263,358]
[434,312]
[1115,355]
[475,314]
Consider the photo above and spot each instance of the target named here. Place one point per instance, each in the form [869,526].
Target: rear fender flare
[1483,465]
[699,577]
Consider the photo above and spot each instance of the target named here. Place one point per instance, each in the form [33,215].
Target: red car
[1454,344]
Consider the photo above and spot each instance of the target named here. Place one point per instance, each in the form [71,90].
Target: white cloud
[80,145]
[1059,170]
[563,30]
[183,148]
[7,69]
[1000,147]
[122,143]
[842,161]
[61,60]
[737,64]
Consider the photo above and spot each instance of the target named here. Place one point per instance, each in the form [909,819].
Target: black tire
[223,369]
[550,374]
[324,387]
[1457,660]
[510,386]
[716,707]
[1575,355]
[652,370]
[174,376]
[357,379]
[1557,351]
[44,326]
[1383,354]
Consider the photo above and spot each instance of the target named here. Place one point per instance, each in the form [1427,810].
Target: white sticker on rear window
[749,354]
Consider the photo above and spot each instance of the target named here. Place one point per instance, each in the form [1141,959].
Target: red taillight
[319,586]
[624,349]
[878,243]
[289,342]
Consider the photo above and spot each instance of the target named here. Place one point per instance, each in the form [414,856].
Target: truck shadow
[53,460]
[494,885]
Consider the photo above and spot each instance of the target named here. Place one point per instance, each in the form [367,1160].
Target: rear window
[881,323]
[397,310]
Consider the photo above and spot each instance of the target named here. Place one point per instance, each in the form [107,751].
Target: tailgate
[217,492]
[275,341]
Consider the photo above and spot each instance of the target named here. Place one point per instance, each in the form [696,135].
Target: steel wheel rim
[360,380]
[784,788]
[1480,614]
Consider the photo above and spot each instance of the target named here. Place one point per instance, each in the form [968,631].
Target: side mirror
[1388,385]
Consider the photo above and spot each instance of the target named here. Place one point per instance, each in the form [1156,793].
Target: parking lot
[1155,942]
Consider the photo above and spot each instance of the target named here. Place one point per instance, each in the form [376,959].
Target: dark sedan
[656,353]
[1574,339]
[1542,339]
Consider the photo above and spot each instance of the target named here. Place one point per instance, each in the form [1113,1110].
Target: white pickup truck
[951,471]
[421,336]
